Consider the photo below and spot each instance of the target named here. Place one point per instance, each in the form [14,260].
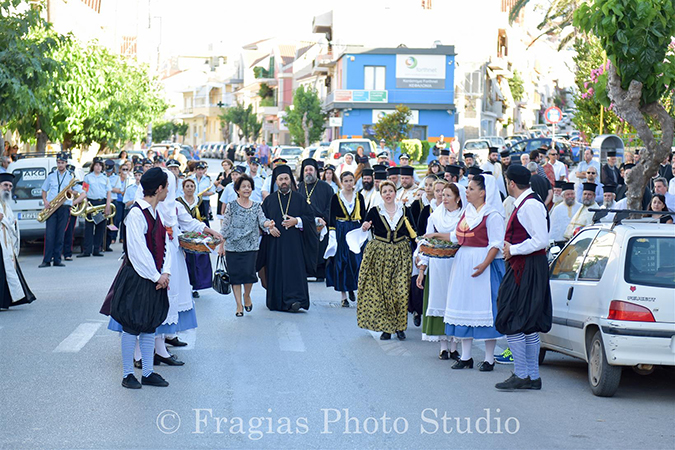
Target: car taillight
[336,155]
[619,310]
[372,154]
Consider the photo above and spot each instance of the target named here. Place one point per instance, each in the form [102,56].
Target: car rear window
[475,145]
[347,147]
[28,182]
[650,261]
[292,151]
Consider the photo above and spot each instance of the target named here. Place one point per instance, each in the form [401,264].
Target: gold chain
[309,194]
[285,213]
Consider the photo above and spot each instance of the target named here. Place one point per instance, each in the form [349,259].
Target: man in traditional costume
[563,213]
[583,216]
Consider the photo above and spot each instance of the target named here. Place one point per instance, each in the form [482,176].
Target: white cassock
[406,196]
[367,197]
[582,218]
[561,216]
[9,238]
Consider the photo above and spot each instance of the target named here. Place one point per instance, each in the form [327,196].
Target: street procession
[327,239]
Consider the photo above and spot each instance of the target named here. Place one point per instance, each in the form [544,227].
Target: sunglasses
[592,173]
[125,170]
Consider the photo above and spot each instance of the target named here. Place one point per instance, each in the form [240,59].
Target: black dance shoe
[513,383]
[295,307]
[195,294]
[535,384]
[461,364]
[417,319]
[248,308]
[443,355]
[154,379]
[68,258]
[239,314]
[45,264]
[400,335]
[486,367]
[345,303]
[130,382]
[170,361]
[108,249]
[59,264]
[97,254]
[385,336]
[454,355]
[175,342]
[84,255]
[352,296]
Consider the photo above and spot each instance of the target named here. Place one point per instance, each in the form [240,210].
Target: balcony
[324,60]
[497,63]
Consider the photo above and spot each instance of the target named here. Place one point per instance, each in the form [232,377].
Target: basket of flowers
[438,248]
[194,242]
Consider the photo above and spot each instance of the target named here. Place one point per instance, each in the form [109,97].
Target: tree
[394,127]
[558,19]
[638,40]
[244,118]
[517,86]
[305,120]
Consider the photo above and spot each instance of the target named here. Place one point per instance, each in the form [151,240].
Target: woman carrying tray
[199,264]
[242,222]
[435,264]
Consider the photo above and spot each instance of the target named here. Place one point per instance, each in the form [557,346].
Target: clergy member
[289,252]
[406,194]
[563,213]
[368,186]
[583,216]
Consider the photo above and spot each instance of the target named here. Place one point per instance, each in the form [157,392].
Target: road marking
[290,339]
[392,347]
[189,337]
[78,338]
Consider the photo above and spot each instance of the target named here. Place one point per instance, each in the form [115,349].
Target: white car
[479,147]
[291,154]
[613,292]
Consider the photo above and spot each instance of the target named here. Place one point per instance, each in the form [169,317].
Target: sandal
[248,308]
[239,314]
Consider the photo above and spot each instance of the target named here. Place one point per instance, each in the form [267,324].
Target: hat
[202,165]
[609,188]
[473,170]
[393,171]
[383,155]
[505,153]
[283,169]
[138,169]
[453,169]
[439,175]
[307,162]
[159,159]
[487,172]
[367,172]
[434,163]
[6,176]
[493,150]
[239,169]
[407,171]
[382,140]
[379,168]
[254,160]
[329,167]
[567,186]
[445,152]
[63,156]
[96,160]
[468,155]
[560,184]
[172,163]
[380,175]
[590,187]
[279,161]
[518,174]
[153,178]
[404,156]
[145,161]
[628,166]
[611,153]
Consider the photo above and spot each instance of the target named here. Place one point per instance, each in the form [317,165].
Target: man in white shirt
[661,187]
[671,184]
[559,169]
[563,213]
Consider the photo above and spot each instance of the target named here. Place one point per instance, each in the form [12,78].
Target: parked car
[540,130]
[496,141]
[321,153]
[340,147]
[510,140]
[479,147]
[528,145]
[240,153]
[29,175]
[292,155]
[613,305]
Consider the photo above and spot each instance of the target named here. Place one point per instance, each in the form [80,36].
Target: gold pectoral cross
[309,201]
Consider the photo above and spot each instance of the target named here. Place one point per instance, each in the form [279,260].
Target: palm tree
[557,19]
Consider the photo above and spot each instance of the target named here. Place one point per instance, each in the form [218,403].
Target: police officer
[99,192]
[57,222]
[111,235]
[147,164]
[203,181]
[72,221]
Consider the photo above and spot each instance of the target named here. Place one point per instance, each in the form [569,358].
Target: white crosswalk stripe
[78,338]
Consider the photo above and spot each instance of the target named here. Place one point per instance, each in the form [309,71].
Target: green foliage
[426,148]
[412,147]
[517,86]
[636,36]
[306,121]
[394,127]
[165,131]
[558,19]
[244,118]
[265,91]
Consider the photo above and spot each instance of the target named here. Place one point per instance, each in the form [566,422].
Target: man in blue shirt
[99,193]
[55,183]
[202,183]
[586,164]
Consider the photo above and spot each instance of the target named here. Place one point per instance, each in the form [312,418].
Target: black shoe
[108,249]
[138,364]
[352,296]
[170,361]
[98,254]
[385,336]
[345,303]
[130,382]
[295,307]
[400,335]
[535,384]
[68,258]
[239,314]
[248,308]
[417,319]
[486,366]
[84,255]
[195,294]
[461,364]
[513,383]
[59,264]
[175,342]
[154,379]
[454,355]
[45,264]
[320,280]
[443,355]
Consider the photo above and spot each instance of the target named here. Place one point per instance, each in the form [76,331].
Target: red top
[478,237]
[155,238]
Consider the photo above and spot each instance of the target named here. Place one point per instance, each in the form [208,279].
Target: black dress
[342,270]
[319,195]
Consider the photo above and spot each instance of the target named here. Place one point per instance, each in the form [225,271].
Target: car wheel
[603,378]
[542,355]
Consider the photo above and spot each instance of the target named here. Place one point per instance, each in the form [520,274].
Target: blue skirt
[187,320]
[342,270]
[199,270]
[463,332]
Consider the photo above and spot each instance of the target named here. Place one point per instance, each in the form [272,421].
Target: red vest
[515,231]
[478,237]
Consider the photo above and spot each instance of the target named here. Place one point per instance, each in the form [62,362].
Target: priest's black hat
[454,169]
[493,150]
[590,187]
[152,179]
[380,175]
[628,166]
[307,162]
[393,171]
[380,168]
[505,153]
[283,169]
[367,172]
[468,155]
[473,170]
[445,152]
[408,171]
[518,174]
[611,153]
[609,188]
[567,186]
[560,184]
[6,176]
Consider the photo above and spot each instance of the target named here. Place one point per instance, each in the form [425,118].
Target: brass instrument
[60,199]
[88,210]
[205,191]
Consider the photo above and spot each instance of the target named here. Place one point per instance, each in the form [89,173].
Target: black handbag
[221,279]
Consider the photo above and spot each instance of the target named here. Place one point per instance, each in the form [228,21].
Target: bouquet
[195,242]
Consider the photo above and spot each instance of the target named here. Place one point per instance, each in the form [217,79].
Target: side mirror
[555,250]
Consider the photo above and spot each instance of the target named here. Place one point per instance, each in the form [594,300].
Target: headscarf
[492,204]
[447,220]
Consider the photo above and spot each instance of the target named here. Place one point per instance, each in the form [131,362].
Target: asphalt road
[277,380]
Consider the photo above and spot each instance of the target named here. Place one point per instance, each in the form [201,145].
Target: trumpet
[88,210]
[60,199]
[205,191]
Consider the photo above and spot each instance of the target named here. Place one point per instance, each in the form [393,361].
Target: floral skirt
[384,286]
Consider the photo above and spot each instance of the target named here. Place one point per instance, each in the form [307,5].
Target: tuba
[59,200]
[88,210]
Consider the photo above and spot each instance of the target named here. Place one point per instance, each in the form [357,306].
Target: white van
[29,175]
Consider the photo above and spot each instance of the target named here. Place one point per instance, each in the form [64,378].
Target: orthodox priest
[318,195]
[289,252]
[13,287]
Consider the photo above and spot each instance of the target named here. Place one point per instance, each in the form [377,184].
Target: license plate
[28,215]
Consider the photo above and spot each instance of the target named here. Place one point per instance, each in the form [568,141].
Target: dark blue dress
[198,264]
[342,270]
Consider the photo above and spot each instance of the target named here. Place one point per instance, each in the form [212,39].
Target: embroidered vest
[155,237]
[478,237]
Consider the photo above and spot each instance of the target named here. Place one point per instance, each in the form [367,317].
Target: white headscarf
[492,204]
[447,220]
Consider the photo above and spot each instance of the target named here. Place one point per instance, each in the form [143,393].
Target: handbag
[221,279]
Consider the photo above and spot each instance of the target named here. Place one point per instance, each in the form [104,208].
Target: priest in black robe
[288,253]
[318,195]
